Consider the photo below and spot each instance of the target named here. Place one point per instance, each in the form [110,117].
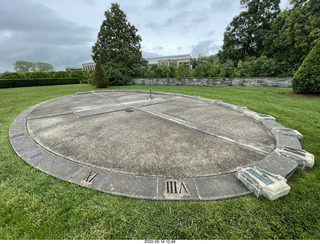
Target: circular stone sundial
[170,147]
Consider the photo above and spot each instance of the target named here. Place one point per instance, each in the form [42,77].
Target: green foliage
[37,82]
[161,71]
[100,79]
[172,72]
[118,74]
[205,67]
[307,78]
[264,67]
[245,34]
[27,66]
[287,36]
[83,75]
[39,75]
[184,71]
[244,69]
[294,33]
[61,74]
[39,66]
[10,75]
[80,74]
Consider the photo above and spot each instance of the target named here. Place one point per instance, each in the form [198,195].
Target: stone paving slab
[220,187]
[153,146]
[217,118]
[175,147]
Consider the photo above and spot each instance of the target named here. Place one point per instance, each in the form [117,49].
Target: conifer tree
[118,41]
[307,78]
[99,77]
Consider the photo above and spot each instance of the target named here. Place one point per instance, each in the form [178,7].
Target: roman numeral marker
[91,176]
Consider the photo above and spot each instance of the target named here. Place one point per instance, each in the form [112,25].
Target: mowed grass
[34,205]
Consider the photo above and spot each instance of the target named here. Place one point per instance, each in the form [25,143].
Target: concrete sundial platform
[172,147]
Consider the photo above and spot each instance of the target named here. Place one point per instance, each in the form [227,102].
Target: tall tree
[294,33]
[24,66]
[245,34]
[118,41]
[40,66]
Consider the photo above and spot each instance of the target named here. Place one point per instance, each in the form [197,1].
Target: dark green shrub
[307,78]
[173,72]
[61,74]
[184,72]
[81,74]
[99,77]
[10,75]
[118,74]
[10,83]
[5,83]
[38,75]
[264,67]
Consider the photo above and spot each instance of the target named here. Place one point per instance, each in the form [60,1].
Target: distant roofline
[89,63]
[169,57]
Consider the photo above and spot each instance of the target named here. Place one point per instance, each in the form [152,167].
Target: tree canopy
[26,66]
[294,33]
[245,34]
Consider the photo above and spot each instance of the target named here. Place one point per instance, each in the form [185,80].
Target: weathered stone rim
[148,187]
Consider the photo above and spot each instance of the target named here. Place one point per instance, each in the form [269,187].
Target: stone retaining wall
[224,81]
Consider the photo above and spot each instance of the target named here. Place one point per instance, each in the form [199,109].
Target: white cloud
[204,48]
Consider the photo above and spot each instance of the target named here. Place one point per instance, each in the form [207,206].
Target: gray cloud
[152,26]
[150,54]
[34,32]
[218,6]
[211,33]
[158,48]
[157,5]
[200,20]
[91,2]
[182,4]
[204,48]
[178,18]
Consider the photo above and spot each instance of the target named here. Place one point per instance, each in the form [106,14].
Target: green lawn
[34,205]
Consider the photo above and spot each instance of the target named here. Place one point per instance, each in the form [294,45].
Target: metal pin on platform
[150,95]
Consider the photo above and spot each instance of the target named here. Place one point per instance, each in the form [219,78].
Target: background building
[88,66]
[175,60]
[73,68]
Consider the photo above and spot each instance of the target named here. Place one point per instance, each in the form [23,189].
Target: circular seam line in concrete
[170,147]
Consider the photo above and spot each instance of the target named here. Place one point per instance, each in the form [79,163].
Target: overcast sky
[62,32]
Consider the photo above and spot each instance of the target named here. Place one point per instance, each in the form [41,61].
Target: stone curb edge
[157,188]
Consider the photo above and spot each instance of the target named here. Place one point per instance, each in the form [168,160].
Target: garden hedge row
[10,83]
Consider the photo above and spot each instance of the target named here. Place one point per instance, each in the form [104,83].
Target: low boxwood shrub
[307,78]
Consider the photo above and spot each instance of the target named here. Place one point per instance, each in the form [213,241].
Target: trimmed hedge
[10,83]
[307,78]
